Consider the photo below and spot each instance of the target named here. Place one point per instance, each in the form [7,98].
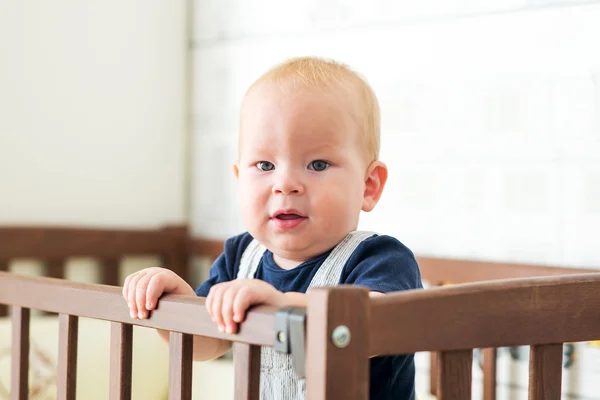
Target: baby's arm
[142,289]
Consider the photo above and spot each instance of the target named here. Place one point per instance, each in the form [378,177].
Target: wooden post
[454,375]
[20,353]
[121,338]
[55,268]
[337,363]
[67,357]
[433,373]
[110,271]
[4,266]
[176,257]
[246,360]
[545,372]
[181,347]
[489,373]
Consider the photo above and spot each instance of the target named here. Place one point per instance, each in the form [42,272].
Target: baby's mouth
[289,216]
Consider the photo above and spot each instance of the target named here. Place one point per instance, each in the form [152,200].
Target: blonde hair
[321,73]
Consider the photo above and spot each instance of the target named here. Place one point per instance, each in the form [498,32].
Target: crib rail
[541,312]
[441,271]
[184,316]
[54,245]
[450,320]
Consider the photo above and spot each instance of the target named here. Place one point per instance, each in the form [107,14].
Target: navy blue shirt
[380,263]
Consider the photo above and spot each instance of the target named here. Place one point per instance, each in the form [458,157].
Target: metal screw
[341,336]
[281,336]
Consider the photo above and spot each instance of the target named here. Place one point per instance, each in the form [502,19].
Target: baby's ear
[374,182]
[236,169]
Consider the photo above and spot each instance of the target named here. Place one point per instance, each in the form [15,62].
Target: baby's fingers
[214,309]
[227,309]
[131,294]
[241,303]
[156,288]
[140,295]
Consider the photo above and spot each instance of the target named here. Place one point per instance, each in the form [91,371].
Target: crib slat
[489,374]
[433,372]
[110,271]
[246,359]
[67,357]
[454,379]
[4,266]
[545,372]
[55,268]
[180,366]
[121,339]
[20,353]
[177,262]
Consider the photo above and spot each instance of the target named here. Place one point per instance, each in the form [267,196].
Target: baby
[308,164]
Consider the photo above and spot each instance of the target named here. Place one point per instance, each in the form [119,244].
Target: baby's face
[301,170]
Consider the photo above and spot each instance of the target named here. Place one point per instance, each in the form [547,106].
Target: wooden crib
[344,327]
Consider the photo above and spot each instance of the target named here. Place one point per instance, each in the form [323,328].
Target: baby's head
[308,157]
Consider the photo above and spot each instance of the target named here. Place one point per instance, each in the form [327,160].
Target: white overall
[278,380]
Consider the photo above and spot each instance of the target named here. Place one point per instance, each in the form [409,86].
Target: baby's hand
[227,302]
[142,289]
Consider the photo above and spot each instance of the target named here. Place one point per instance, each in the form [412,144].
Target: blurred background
[125,114]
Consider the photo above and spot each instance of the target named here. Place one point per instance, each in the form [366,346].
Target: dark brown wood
[545,372]
[185,314]
[442,270]
[180,366]
[55,268]
[454,379]
[66,384]
[333,372]
[176,261]
[121,339]
[433,372]
[20,353]
[4,267]
[463,314]
[111,268]
[62,242]
[246,359]
[489,374]
[205,247]
[177,257]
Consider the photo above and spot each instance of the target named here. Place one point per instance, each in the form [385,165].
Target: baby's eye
[318,165]
[265,166]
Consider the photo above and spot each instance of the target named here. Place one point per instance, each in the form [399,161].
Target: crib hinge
[290,336]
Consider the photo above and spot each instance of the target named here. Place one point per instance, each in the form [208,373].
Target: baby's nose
[288,184]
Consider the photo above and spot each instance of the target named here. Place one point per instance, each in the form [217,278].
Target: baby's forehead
[273,100]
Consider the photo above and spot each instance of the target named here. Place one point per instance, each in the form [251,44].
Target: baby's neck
[285,263]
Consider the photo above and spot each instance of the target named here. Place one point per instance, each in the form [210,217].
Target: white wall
[491,123]
[92,113]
